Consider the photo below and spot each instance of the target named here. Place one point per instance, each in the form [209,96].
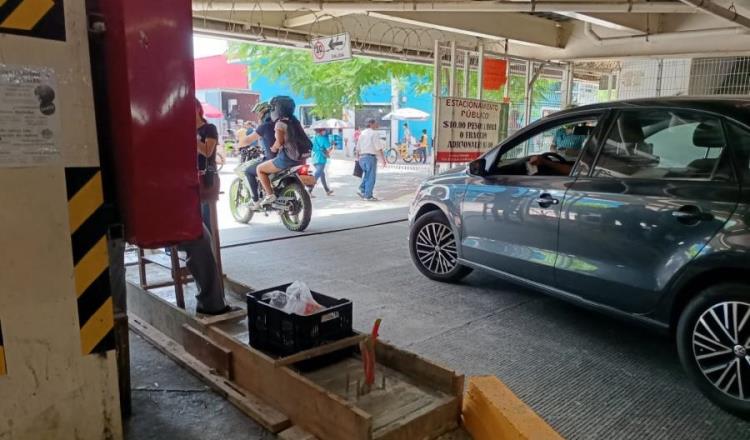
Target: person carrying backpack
[292,144]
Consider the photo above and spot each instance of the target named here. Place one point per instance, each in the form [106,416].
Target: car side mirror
[478,167]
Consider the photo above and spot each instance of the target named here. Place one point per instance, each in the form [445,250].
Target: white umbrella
[407,114]
[329,123]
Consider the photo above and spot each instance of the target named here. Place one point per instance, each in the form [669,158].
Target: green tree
[340,84]
[332,85]
[544,88]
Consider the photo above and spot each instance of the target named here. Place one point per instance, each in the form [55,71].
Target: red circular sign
[319,50]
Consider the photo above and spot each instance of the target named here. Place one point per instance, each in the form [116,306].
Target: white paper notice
[29,117]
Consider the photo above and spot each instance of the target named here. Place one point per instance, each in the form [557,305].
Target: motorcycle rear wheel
[299,219]
[239,198]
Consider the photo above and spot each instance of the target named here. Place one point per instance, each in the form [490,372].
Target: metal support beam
[480,73]
[617,21]
[520,28]
[436,89]
[712,8]
[313,17]
[467,73]
[452,77]
[568,86]
[528,87]
[635,7]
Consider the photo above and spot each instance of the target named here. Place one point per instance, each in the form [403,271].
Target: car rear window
[662,144]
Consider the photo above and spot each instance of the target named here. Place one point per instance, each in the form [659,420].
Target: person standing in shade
[200,257]
[208,139]
[321,150]
[369,150]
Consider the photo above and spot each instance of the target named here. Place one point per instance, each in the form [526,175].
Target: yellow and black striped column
[2,353]
[88,233]
[33,18]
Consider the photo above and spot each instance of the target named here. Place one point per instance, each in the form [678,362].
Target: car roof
[735,107]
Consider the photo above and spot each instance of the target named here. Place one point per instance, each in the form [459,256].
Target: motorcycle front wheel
[239,199]
[297,218]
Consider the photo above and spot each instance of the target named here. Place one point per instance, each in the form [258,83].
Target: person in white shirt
[369,150]
[408,138]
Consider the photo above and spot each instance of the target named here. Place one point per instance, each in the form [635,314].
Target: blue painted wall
[377,94]
[420,102]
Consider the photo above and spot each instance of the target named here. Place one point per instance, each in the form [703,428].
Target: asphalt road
[590,376]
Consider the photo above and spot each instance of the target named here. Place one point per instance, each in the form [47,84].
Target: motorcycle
[293,201]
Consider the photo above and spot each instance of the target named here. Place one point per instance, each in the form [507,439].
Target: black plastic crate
[282,334]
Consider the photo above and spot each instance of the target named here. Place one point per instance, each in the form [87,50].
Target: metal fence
[645,78]
[535,89]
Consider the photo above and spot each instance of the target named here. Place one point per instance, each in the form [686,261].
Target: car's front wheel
[433,248]
[713,340]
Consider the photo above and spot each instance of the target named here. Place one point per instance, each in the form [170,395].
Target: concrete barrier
[492,412]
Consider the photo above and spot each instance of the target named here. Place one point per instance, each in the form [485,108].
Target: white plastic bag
[300,300]
[276,299]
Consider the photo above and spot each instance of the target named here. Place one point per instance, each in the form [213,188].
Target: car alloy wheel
[436,248]
[721,347]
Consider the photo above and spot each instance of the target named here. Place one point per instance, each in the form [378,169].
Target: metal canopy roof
[546,30]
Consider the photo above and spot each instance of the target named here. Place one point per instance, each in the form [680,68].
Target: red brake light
[304,170]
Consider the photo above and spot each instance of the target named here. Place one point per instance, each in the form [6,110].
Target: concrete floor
[590,376]
[170,403]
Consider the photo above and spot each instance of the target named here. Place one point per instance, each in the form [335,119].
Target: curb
[491,411]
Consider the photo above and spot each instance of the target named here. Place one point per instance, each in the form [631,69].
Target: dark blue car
[637,208]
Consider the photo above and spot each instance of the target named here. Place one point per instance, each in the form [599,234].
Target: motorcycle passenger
[292,144]
[267,136]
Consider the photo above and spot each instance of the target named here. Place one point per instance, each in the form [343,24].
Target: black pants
[202,266]
[252,177]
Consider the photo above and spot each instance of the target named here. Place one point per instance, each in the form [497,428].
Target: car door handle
[546,200]
[690,214]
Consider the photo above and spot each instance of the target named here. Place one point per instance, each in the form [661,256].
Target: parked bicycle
[392,154]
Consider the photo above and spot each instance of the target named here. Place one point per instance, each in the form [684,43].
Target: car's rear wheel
[434,248]
[713,340]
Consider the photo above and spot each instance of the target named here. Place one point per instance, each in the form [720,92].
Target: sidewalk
[395,189]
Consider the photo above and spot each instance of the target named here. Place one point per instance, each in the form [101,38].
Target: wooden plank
[207,351]
[161,259]
[324,414]
[296,433]
[420,369]
[255,408]
[236,287]
[456,434]
[157,312]
[491,410]
[403,407]
[235,315]
[428,423]
[319,351]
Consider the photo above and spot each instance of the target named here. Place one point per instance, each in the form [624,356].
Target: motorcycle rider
[267,136]
[292,146]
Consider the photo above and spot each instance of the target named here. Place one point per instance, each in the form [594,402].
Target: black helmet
[282,107]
